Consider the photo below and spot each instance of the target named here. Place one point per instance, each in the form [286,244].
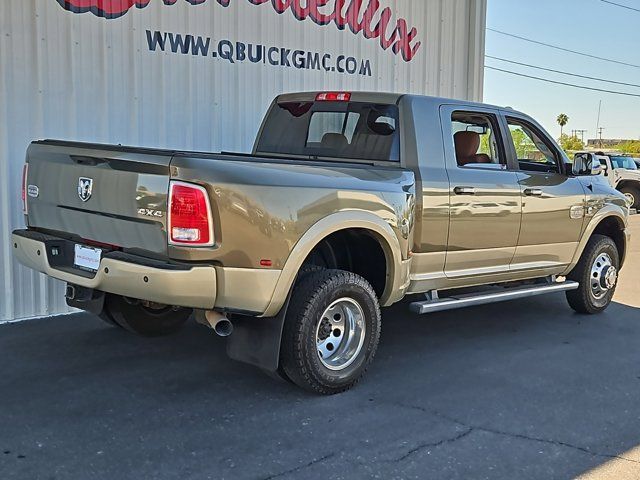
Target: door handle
[464,191]
[533,192]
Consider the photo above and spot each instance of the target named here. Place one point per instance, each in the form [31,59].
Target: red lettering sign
[343,13]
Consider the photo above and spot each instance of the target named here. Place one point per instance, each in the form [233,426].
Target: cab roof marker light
[333,97]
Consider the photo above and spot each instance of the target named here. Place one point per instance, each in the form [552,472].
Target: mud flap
[256,341]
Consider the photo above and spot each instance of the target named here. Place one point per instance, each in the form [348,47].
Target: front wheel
[597,273]
[150,320]
[331,331]
[633,196]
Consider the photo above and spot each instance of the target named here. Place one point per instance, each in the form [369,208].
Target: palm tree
[563,119]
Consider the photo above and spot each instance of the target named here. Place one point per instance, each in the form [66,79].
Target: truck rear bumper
[204,287]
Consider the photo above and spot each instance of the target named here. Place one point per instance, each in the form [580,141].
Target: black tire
[136,318]
[583,300]
[106,317]
[304,271]
[312,295]
[632,192]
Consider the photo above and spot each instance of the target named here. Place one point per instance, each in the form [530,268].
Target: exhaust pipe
[224,328]
[219,323]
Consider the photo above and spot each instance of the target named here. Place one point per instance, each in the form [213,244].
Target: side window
[534,152]
[475,136]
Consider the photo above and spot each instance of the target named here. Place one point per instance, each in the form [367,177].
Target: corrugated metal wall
[78,76]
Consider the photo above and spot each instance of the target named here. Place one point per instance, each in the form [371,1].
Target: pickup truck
[622,173]
[348,202]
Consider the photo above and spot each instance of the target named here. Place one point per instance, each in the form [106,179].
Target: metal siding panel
[80,77]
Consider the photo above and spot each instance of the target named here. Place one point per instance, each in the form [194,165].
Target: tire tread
[306,298]
[579,299]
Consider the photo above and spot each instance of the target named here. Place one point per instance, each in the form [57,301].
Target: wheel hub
[340,334]
[630,198]
[325,329]
[609,278]
[604,276]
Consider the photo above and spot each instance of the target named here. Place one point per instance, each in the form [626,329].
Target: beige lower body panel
[528,257]
[402,281]
[420,284]
[202,287]
[469,263]
[529,262]
[245,289]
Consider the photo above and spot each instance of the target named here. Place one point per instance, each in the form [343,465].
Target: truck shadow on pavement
[525,387]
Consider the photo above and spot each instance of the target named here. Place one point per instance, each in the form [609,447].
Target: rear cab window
[625,162]
[332,130]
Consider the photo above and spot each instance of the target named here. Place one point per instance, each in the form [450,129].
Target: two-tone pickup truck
[622,173]
[348,202]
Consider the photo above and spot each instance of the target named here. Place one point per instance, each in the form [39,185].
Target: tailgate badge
[33,191]
[147,212]
[85,187]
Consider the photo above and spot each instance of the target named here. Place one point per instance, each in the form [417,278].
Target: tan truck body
[424,222]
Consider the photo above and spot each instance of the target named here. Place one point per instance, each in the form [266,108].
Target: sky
[590,26]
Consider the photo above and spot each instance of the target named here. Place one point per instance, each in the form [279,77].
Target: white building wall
[79,76]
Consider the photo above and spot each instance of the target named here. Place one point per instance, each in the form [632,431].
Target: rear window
[623,162]
[342,130]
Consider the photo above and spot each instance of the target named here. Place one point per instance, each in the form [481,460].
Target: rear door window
[476,140]
[334,130]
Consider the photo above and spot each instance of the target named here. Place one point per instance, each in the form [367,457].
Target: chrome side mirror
[586,164]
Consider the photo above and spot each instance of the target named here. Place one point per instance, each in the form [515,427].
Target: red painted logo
[343,13]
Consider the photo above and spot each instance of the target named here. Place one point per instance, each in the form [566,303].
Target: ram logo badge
[85,187]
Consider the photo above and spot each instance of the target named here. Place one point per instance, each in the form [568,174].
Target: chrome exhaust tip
[218,322]
[223,328]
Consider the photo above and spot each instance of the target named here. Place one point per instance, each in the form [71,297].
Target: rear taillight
[190,221]
[333,97]
[25,172]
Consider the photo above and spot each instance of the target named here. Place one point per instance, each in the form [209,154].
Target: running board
[469,299]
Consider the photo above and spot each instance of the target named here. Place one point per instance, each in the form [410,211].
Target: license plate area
[87,258]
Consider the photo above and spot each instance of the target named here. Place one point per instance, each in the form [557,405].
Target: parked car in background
[348,202]
[623,174]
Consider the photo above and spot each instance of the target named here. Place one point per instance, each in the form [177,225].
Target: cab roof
[387,98]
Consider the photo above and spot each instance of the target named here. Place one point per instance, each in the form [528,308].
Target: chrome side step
[434,304]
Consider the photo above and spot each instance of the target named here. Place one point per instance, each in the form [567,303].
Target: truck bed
[254,198]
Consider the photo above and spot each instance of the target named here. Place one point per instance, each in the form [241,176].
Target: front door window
[534,153]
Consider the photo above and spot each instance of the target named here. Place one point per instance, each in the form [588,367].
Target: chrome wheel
[340,334]
[604,276]
[631,200]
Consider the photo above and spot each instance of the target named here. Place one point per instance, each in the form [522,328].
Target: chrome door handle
[464,191]
[533,192]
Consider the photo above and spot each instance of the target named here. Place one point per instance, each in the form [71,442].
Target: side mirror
[586,164]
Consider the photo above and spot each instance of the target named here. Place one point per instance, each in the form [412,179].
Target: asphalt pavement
[525,389]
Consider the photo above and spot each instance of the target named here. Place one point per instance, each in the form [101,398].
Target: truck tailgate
[111,195]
